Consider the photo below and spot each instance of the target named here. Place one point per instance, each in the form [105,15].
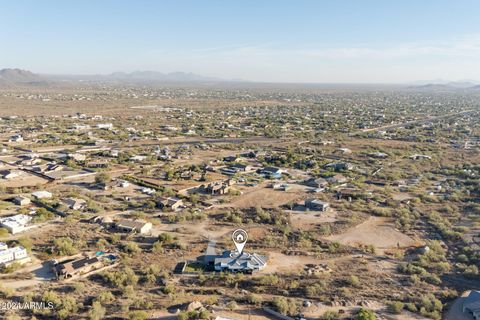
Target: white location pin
[239,237]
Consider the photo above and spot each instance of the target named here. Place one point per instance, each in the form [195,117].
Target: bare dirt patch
[264,197]
[376,231]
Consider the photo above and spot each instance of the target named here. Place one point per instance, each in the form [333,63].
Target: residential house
[217,187]
[77,156]
[281,186]
[98,164]
[271,172]
[15,254]
[245,262]
[420,157]
[133,226]
[337,179]
[241,167]
[377,182]
[41,195]
[317,205]
[76,267]
[148,191]
[339,166]
[379,155]
[229,171]
[52,167]
[317,183]
[15,224]
[80,127]
[123,183]
[75,203]
[230,159]
[11,174]
[352,193]
[106,126]
[345,150]
[138,158]
[29,159]
[170,203]
[250,154]
[21,201]
[16,138]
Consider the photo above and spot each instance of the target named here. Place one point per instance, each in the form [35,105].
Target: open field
[378,232]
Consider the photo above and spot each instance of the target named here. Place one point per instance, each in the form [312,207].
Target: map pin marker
[239,237]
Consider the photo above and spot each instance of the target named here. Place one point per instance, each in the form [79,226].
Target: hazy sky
[263,40]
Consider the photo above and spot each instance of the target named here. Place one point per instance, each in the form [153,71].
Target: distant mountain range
[445,85]
[13,77]
[19,77]
[138,77]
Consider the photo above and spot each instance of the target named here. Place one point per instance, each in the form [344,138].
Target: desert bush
[395,307]
[97,312]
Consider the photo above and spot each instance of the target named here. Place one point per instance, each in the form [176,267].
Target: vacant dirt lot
[264,197]
[376,231]
[312,219]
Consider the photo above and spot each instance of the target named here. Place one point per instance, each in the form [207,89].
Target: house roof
[40,194]
[77,264]
[168,201]
[472,302]
[73,202]
[130,224]
[239,165]
[316,202]
[244,262]
[271,170]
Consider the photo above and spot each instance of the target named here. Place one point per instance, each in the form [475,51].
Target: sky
[318,41]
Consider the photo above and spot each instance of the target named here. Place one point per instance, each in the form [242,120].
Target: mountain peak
[19,76]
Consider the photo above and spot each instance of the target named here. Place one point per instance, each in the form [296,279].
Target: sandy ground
[309,220]
[399,196]
[42,271]
[198,230]
[25,180]
[376,231]
[262,196]
[239,314]
[279,262]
